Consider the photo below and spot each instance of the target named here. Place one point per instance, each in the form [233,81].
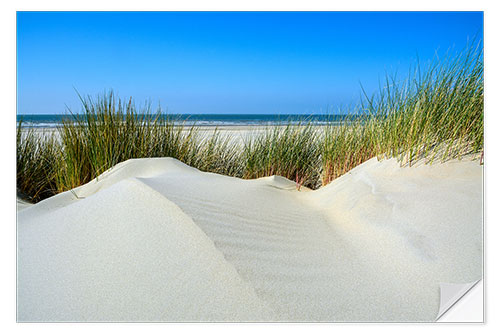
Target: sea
[55,120]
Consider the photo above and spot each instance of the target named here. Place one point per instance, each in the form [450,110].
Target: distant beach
[208,120]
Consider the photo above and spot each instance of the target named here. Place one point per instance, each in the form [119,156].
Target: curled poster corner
[451,293]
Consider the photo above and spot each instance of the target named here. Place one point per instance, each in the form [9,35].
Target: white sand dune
[156,240]
[22,204]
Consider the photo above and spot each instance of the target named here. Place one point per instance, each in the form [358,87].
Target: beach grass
[36,164]
[434,114]
[290,151]
[110,131]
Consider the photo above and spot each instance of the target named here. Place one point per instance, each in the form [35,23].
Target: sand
[22,204]
[237,135]
[157,240]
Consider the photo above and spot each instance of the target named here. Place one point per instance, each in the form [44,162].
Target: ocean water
[54,120]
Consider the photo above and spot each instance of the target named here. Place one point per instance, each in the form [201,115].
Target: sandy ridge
[373,245]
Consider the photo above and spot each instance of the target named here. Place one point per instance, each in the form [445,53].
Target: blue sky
[225,62]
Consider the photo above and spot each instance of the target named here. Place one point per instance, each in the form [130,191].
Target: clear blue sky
[225,62]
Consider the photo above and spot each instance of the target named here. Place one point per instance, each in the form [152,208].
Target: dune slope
[156,240]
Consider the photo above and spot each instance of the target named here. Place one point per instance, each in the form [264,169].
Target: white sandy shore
[156,240]
[236,134]
[229,130]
